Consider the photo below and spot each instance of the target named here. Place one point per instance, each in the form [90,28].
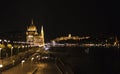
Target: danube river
[94,60]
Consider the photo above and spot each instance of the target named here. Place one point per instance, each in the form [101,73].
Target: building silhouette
[33,37]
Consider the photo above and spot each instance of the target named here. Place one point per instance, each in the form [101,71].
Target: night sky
[60,17]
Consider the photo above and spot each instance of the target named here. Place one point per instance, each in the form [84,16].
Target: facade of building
[33,37]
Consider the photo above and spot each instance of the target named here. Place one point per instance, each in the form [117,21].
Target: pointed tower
[116,42]
[42,35]
[33,37]
[31,33]
[32,22]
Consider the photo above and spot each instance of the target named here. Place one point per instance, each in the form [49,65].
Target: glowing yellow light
[69,35]
[30,36]
[9,46]
[2,46]
[1,65]
[22,61]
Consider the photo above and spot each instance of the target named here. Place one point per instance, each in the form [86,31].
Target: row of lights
[4,40]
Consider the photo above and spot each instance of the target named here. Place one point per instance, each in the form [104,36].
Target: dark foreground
[98,60]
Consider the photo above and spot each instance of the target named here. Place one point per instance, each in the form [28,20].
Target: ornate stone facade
[33,37]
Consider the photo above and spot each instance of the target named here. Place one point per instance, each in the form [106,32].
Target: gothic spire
[42,34]
[32,22]
[42,31]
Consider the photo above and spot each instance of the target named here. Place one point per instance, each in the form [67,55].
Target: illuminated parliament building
[33,37]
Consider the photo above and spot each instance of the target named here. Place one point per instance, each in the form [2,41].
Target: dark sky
[60,17]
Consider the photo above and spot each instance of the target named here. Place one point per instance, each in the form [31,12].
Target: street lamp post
[11,51]
[18,49]
[22,62]
[0,53]
[32,59]
[1,64]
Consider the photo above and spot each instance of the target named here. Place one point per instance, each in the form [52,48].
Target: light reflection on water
[91,60]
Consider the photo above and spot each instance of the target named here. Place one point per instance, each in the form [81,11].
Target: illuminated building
[116,42]
[33,37]
[70,37]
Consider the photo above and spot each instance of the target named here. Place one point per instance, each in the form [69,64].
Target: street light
[22,65]
[22,62]
[13,61]
[0,40]
[0,52]
[1,64]
[32,59]
[11,51]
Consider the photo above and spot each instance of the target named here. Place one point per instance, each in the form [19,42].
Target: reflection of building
[33,37]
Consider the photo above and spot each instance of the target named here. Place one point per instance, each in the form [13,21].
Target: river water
[94,60]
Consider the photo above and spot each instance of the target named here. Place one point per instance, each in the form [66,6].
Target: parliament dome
[32,28]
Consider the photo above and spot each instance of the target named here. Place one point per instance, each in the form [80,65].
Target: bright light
[8,40]
[46,48]
[13,61]
[32,58]
[69,35]
[22,61]
[23,46]
[5,40]
[18,47]
[30,36]
[1,65]
[37,56]
[45,57]
[11,47]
